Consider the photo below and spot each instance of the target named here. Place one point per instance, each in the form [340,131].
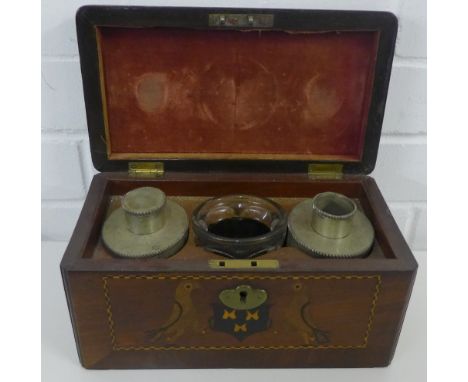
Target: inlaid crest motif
[241,312]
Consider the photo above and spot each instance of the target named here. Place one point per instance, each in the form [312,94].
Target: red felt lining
[213,94]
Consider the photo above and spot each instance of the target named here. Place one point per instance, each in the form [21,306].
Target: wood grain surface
[147,313]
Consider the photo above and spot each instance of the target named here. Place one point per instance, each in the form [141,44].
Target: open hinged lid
[235,89]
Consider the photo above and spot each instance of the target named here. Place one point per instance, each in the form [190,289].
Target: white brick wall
[66,163]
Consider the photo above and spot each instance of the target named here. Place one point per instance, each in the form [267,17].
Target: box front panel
[185,312]
[167,320]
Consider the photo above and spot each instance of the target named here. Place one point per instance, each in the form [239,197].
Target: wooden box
[205,102]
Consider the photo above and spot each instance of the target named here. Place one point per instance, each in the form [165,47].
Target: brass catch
[237,264]
[325,170]
[146,169]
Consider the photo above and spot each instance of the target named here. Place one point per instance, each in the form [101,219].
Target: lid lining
[303,22]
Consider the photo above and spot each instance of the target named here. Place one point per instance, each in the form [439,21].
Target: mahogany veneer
[113,302]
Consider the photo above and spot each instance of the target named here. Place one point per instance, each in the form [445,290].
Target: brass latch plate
[242,264]
[146,169]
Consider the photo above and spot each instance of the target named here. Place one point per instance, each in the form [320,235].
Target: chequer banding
[240,329]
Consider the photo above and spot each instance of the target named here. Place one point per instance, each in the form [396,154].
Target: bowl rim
[282,226]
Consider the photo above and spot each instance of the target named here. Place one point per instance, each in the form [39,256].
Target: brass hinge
[146,169]
[325,170]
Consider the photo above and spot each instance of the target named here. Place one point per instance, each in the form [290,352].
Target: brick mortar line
[398,59]
[51,134]
[60,58]
[409,62]
[62,203]
[404,139]
[417,206]
[418,252]
[408,203]
[62,135]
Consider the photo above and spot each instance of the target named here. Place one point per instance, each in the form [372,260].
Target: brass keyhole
[243,296]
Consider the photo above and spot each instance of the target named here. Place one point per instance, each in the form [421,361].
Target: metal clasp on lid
[234,20]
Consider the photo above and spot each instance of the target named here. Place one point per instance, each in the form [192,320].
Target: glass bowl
[239,226]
